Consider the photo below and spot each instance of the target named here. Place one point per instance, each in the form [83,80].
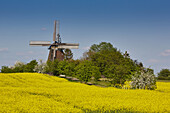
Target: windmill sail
[54,34]
[68,46]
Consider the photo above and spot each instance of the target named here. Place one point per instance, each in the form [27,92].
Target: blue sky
[141,27]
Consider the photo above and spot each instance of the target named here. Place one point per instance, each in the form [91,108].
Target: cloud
[166,53]
[43,29]
[3,49]
[153,61]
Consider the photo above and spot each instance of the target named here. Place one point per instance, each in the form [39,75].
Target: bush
[6,69]
[118,74]
[68,68]
[63,67]
[85,70]
[143,80]
[163,78]
[40,68]
[164,73]
[29,67]
[52,67]
[20,67]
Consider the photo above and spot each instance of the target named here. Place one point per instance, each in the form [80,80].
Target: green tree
[85,70]
[19,67]
[6,69]
[118,74]
[67,67]
[164,73]
[29,67]
[68,55]
[111,62]
[62,67]
[102,46]
[52,67]
[96,73]
[126,54]
[98,48]
[70,68]
[106,59]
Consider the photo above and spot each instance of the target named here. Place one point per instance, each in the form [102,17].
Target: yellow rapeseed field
[31,92]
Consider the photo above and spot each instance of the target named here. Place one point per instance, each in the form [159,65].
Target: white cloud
[153,61]
[166,53]
[43,29]
[3,49]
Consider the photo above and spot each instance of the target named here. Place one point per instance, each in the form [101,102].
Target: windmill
[56,48]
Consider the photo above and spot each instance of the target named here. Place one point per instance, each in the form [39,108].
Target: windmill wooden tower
[56,48]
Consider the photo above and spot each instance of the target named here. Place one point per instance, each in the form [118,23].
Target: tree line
[164,74]
[20,67]
[100,60]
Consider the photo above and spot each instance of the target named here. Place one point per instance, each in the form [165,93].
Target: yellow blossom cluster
[32,92]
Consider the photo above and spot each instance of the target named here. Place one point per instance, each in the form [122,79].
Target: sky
[141,27]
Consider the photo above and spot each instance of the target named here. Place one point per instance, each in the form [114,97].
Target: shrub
[85,70]
[163,78]
[164,74]
[143,80]
[52,67]
[68,68]
[18,67]
[40,68]
[6,69]
[29,67]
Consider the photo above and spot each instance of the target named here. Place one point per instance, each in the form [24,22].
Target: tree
[40,67]
[126,54]
[98,48]
[106,59]
[62,67]
[19,67]
[164,73]
[29,67]
[85,70]
[111,62]
[95,73]
[102,46]
[6,69]
[143,80]
[68,55]
[52,67]
[118,74]
[70,68]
